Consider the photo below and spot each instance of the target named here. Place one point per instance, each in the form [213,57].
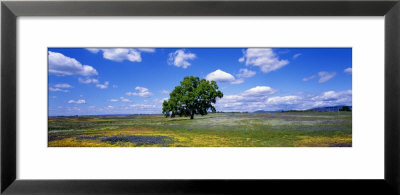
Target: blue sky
[94,81]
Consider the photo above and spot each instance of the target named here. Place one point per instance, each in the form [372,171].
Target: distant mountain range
[329,108]
[261,111]
[318,109]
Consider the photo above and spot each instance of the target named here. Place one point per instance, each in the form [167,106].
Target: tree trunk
[192,115]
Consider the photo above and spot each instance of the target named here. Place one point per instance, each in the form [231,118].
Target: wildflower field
[279,129]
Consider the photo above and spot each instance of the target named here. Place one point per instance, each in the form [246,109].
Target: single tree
[193,96]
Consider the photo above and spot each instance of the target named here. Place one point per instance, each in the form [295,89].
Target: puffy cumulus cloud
[121,54]
[223,77]
[259,91]
[103,86]
[62,65]
[329,98]
[220,76]
[348,70]
[265,58]
[245,100]
[334,96]
[88,80]
[141,92]
[262,99]
[180,59]
[81,101]
[325,76]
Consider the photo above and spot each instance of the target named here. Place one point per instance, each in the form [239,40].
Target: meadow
[280,129]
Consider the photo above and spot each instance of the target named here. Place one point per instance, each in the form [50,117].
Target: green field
[280,129]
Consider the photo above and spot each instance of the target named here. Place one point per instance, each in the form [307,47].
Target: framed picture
[192,102]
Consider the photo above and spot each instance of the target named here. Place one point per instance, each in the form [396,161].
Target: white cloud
[237,81]
[93,50]
[259,91]
[249,101]
[159,101]
[113,100]
[77,101]
[284,100]
[309,78]
[57,89]
[121,54]
[125,99]
[348,70]
[220,76]
[333,95]
[63,85]
[88,80]
[264,58]
[62,65]
[150,50]
[103,86]
[296,55]
[144,106]
[325,76]
[165,91]
[253,96]
[245,73]
[332,98]
[180,59]
[141,91]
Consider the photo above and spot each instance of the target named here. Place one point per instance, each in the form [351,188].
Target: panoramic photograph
[199,97]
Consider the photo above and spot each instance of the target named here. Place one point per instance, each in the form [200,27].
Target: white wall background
[364,160]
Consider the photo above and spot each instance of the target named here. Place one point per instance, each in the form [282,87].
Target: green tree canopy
[193,96]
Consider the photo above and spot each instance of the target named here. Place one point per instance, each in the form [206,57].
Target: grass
[288,129]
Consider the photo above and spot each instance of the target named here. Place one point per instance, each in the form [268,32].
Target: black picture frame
[10,10]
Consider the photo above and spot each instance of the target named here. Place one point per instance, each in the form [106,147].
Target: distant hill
[329,108]
[261,111]
[318,109]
